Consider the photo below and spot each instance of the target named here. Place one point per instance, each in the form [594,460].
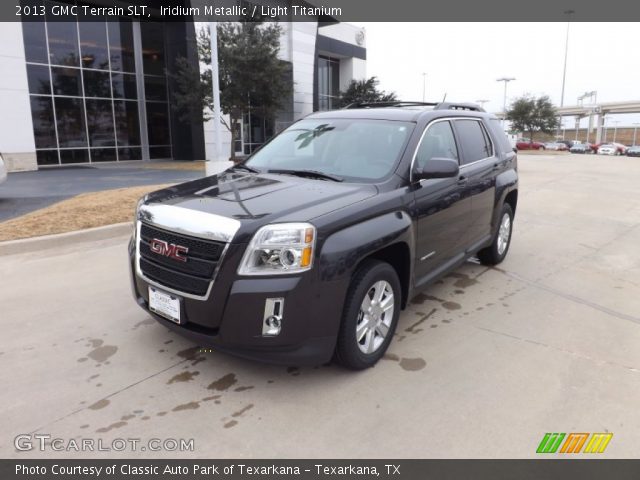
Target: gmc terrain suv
[310,248]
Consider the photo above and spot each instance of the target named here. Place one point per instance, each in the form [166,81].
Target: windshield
[355,150]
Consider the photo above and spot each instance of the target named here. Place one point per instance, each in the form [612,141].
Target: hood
[257,199]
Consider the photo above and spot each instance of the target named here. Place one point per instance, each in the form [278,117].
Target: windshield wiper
[242,166]
[308,174]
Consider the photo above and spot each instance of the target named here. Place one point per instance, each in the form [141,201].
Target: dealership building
[89,92]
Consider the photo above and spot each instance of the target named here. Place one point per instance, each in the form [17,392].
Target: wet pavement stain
[111,427]
[242,389]
[230,424]
[451,305]
[183,377]
[391,356]
[95,375]
[433,326]
[86,425]
[419,299]
[148,321]
[412,328]
[168,342]
[83,359]
[242,411]
[223,383]
[186,406]
[446,321]
[146,417]
[212,397]
[101,354]
[294,371]
[463,280]
[198,360]
[161,414]
[188,353]
[99,404]
[269,381]
[412,364]
[458,292]
[94,342]
[127,417]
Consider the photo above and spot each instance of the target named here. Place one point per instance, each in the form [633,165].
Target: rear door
[443,212]
[479,166]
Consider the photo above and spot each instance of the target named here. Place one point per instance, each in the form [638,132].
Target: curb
[45,242]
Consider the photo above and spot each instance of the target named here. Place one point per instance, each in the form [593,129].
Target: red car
[527,144]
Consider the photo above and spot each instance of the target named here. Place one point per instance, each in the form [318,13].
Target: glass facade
[328,83]
[84,89]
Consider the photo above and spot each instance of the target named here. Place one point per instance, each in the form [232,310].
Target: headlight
[135,214]
[280,249]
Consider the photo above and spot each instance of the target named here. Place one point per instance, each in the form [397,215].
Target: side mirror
[437,168]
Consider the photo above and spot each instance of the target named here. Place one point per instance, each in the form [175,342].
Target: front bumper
[231,319]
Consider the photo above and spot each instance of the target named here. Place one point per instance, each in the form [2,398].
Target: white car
[612,149]
[3,170]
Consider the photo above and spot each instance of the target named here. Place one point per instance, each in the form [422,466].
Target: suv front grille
[191,277]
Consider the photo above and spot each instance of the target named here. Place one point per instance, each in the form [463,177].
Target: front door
[443,207]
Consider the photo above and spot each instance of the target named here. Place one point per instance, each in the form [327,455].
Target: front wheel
[370,315]
[497,251]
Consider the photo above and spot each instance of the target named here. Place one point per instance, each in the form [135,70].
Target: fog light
[272,319]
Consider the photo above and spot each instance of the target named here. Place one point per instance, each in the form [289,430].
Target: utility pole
[504,100]
[568,13]
[217,164]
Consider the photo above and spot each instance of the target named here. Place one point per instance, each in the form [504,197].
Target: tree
[531,114]
[365,91]
[252,77]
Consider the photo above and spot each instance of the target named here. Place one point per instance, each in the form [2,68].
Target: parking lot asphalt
[484,362]
[24,192]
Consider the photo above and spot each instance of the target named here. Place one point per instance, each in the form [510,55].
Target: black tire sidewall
[506,208]
[347,351]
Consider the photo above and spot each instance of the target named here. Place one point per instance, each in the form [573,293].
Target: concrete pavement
[484,363]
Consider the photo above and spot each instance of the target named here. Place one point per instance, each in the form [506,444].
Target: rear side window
[438,142]
[501,137]
[474,140]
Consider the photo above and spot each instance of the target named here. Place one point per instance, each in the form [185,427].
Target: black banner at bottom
[547,469]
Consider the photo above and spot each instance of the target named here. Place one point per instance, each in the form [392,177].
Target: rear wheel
[540,148]
[497,251]
[370,315]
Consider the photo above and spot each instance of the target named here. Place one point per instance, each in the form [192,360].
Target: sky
[464,60]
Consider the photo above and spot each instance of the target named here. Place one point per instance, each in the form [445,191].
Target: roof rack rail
[459,106]
[398,103]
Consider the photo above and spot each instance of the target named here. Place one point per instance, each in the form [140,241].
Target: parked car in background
[568,143]
[612,149]
[581,148]
[556,146]
[3,170]
[527,144]
[633,151]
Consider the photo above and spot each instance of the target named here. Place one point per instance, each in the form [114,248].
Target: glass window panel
[35,42]
[63,43]
[473,140]
[127,125]
[74,156]
[47,157]
[152,48]
[103,155]
[158,123]
[66,81]
[44,130]
[159,152]
[130,153]
[124,85]
[121,46]
[96,84]
[155,88]
[100,123]
[93,45]
[38,78]
[70,121]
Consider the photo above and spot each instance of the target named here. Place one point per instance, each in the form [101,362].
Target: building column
[142,107]
[599,127]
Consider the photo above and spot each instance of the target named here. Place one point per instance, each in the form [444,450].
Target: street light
[615,128]
[481,102]
[504,100]
[424,85]
[568,13]
[635,130]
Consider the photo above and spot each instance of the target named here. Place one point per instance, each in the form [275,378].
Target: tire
[363,349]
[497,251]
[540,148]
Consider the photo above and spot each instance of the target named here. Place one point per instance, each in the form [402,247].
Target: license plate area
[165,304]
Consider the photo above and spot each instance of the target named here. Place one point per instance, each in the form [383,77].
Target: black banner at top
[322,10]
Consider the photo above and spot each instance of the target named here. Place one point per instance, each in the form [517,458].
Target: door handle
[462,180]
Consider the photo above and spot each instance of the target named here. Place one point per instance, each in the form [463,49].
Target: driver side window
[438,142]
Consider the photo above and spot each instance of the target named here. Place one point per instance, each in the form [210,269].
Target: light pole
[568,13]
[604,125]
[635,130]
[424,86]
[504,100]
[615,129]
[481,102]
[217,164]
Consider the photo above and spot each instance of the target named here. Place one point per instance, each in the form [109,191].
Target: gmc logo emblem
[166,249]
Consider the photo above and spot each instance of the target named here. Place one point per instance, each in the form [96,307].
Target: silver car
[3,170]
